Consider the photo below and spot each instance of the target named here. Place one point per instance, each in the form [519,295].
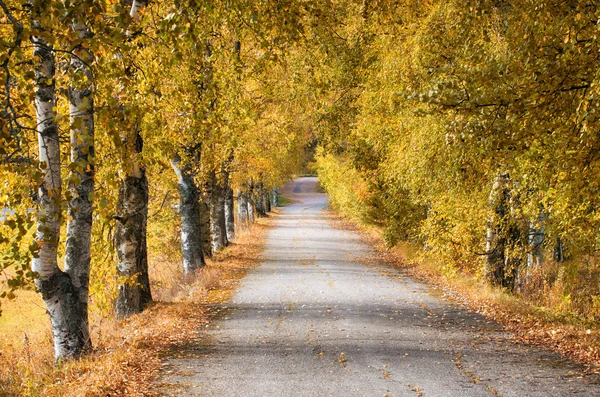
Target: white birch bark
[130,238]
[132,217]
[136,8]
[79,224]
[217,214]
[242,205]
[251,205]
[535,257]
[189,211]
[229,214]
[55,286]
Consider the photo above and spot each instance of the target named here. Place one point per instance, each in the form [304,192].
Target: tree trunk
[496,231]
[217,214]
[251,209]
[251,203]
[57,290]
[205,228]
[516,247]
[536,236]
[229,214]
[189,211]
[267,200]
[275,198]
[81,185]
[558,251]
[132,217]
[259,200]
[130,240]
[243,208]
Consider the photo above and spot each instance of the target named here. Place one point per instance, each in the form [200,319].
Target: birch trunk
[275,202]
[205,228]
[515,268]
[132,216]
[57,290]
[535,239]
[189,211]
[251,210]
[217,214]
[130,238]
[266,201]
[81,186]
[242,205]
[496,231]
[229,214]
[251,206]
[258,200]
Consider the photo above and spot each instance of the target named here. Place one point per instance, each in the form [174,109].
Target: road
[318,319]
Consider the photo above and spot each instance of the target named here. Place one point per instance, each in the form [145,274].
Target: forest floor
[324,315]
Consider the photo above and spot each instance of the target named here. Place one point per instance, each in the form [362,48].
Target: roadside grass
[573,336]
[126,359]
[283,201]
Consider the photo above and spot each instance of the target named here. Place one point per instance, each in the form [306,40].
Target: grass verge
[127,357]
[283,201]
[572,336]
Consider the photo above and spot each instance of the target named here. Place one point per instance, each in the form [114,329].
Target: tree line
[465,128]
[470,129]
[107,103]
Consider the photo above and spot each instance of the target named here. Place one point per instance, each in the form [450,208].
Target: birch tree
[58,289]
[132,214]
[81,180]
[191,224]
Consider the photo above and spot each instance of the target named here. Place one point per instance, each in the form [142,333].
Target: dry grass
[127,354]
[572,336]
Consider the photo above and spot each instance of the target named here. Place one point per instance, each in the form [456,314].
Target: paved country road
[316,320]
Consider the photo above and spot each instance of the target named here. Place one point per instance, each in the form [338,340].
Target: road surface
[317,319]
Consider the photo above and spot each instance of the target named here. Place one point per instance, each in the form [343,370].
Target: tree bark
[189,211]
[205,228]
[558,251]
[132,217]
[81,186]
[259,200]
[251,209]
[57,290]
[275,202]
[130,238]
[496,231]
[217,213]
[242,205]
[535,257]
[266,200]
[229,214]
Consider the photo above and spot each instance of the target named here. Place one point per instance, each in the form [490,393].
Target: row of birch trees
[105,104]
[469,129]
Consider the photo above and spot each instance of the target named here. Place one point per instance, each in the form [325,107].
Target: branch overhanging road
[315,320]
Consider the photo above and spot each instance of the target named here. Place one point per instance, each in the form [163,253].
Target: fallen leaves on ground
[576,339]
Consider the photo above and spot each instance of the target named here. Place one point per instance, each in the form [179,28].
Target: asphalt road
[318,319]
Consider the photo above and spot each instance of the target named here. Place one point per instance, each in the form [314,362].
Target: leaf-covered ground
[571,336]
[130,355]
